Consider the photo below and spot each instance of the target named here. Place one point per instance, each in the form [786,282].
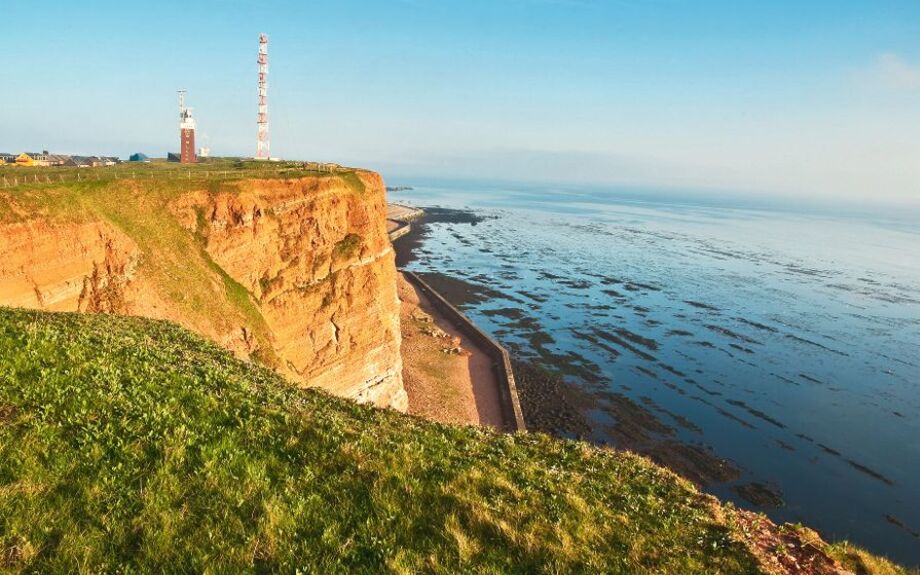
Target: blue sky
[818,98]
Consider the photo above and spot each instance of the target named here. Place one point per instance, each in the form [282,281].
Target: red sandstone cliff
[298,272]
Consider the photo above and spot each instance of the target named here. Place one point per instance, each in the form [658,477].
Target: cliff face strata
[317,259]
[70,267]
[302,268]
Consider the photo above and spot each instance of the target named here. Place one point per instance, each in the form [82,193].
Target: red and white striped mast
[262,147]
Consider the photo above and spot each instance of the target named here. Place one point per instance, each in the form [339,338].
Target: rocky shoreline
[554,405]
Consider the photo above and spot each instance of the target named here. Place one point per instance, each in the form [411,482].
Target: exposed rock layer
[65,267]
[312,255]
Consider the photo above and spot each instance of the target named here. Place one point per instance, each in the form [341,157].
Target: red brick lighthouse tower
[187,132]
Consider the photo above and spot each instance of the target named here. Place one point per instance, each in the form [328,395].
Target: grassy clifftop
[133,445]
[129,442]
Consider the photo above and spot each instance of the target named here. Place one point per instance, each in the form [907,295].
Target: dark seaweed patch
[697,463]
[729,333]
[633,424]
[638,286]
[786,379]
[611,338]
[679,419]
[550,276]
[539,298]
[434,215]
[814,343]
[756,412]
[673,370]
[901,525]
[704,389]
[811,379]
[701,305]
[593,340]
[806,271]
[593,307]
[462,293]
[760,494]
[679,333]
[549,403]
[508,312]
[638,339]
[757,325]
[723,413]
[870,472]
[576,284]
[646,371]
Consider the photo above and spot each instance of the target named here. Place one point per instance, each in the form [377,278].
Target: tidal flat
[770,356]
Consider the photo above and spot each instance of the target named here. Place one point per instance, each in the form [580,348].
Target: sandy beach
[448,377]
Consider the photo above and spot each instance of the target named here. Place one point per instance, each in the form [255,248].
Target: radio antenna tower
[262,146]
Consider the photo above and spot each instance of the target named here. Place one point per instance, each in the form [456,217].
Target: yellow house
[33,159]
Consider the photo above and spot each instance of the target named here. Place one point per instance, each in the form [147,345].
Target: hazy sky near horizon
[816,98]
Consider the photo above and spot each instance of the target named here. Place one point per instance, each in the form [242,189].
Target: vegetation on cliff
[136,199]
[133,445]
[274,261]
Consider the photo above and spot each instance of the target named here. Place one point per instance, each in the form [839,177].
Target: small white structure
[204,152]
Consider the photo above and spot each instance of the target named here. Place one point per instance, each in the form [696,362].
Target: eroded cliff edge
[297,272]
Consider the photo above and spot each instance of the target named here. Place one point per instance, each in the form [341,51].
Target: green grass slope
[132,445]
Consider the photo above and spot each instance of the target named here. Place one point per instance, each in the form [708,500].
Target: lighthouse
[186,132]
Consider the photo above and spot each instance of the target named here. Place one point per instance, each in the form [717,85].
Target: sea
[784,339]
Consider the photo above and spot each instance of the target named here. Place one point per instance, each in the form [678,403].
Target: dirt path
[442,384]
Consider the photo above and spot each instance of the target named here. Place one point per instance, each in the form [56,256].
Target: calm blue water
[790,341]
